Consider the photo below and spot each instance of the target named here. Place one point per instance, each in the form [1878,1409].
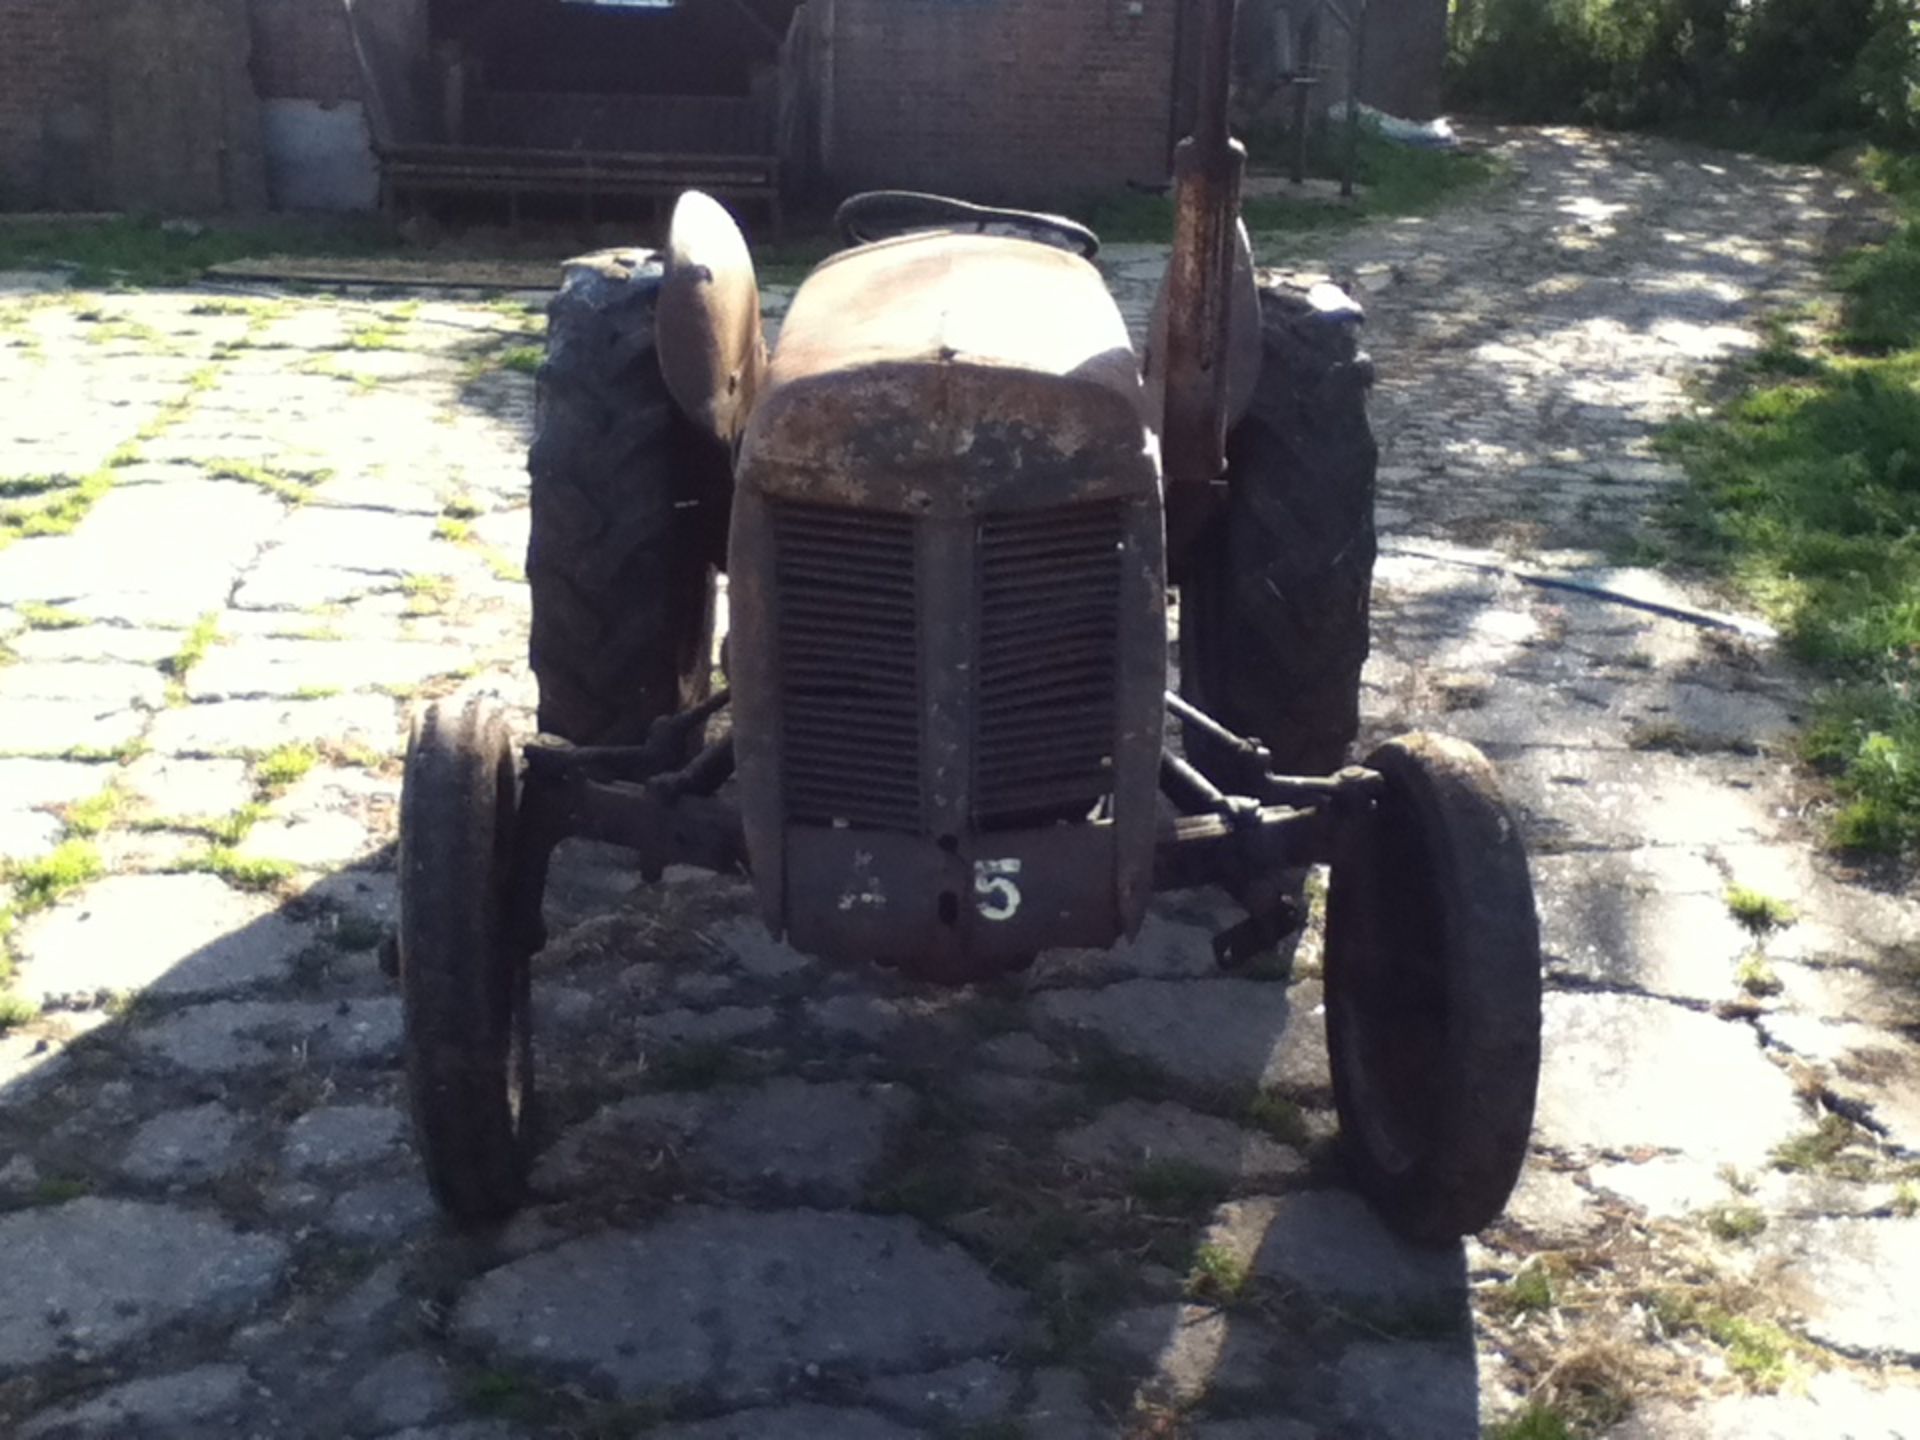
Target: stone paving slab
[168,935]
[106,1272]
[1623,1071]
[744,1304]
[1220,1034]
[778,1200]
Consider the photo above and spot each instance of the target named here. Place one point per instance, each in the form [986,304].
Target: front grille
[850,670]
[1049,596]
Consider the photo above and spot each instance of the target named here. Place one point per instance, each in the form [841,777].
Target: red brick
[1035,100]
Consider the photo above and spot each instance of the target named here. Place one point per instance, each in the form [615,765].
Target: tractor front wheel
[464,983]
[1433,992]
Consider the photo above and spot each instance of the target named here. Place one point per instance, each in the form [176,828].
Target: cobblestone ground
[777,1201]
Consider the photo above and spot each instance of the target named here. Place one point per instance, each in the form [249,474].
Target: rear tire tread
[1274,604]
[629,507]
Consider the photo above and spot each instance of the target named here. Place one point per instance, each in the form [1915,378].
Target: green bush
[1826,69]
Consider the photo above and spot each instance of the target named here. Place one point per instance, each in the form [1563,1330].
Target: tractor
[951,506]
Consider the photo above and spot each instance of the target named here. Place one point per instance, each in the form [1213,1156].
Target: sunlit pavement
[778,1201]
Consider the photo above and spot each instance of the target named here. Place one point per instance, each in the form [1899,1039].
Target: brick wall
[1031,100]
[46,121]
[302,51]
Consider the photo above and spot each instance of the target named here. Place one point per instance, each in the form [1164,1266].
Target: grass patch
[455,530]
[1805,491]
[1394,180]
[224,307]
[49,617]
[1827,1149]
[56,514]
[523,359]
[1217,1275]
[1530,1292]
[1178,1187]
[143,252]
[1735,1222]
[1273,1113]
[12,487]
[376,335]
[95,814]
[1758,1351]
[1755,975]
[1110,1074]
[355,933]
[229,829]
[16,1010]
[193,649]
[1675,739]
[1536,1422]
[1758,911]
[123,754]
[290,485]
[244,872]
[695,1066]
[38,883]
[280,767]
[328,368]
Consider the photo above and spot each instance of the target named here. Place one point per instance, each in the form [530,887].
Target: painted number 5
[995,895]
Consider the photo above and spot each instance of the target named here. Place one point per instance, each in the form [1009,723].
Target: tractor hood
[929,372]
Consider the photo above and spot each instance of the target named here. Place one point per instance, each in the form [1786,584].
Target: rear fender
[707,319]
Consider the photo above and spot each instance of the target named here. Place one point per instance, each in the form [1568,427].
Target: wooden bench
[416,162]
[414,170]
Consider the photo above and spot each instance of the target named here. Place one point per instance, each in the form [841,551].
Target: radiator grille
[1049,596]
[850,672]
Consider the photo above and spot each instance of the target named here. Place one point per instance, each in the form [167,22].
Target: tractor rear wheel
[464,983]
[1274,596]
[1433,992]
[629,516]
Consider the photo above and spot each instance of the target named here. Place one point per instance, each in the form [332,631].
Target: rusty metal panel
[949,643]
[979,357]
[988,905]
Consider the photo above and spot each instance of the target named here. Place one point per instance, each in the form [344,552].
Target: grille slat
[847,613]
[1046,705]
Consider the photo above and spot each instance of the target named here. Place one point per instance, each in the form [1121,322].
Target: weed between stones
[1535,1422]
[243,872]
[1276,1115]
[1735,1222]
[96,814]
[49,617]
[1178,1187]
[1757,910]
[1756,975]
[1828,1149]
[292,486]
[38,883]
[1217,1274]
